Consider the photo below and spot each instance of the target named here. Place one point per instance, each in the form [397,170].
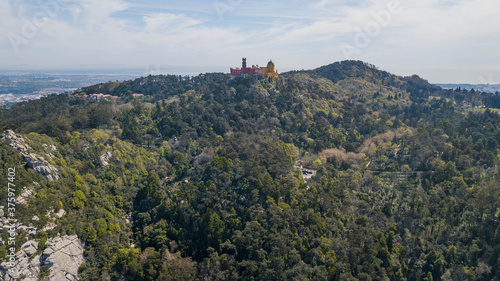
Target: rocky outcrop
[306,173]
[51,214]
[16,141]
[26,265]
[6,224]
[105,159]
[25,195]
[63,256]
[40,165]
[53,147]
[37,163]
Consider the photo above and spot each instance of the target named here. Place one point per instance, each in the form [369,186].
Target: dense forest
[345,172]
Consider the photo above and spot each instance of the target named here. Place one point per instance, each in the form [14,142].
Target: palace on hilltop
[255,70]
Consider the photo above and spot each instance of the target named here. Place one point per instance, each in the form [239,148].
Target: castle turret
[270,66]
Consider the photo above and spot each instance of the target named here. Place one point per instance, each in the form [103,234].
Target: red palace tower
[244,69]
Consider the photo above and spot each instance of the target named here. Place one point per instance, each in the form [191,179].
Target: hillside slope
[342,172]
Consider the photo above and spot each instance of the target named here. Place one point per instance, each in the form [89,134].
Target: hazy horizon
[116,70]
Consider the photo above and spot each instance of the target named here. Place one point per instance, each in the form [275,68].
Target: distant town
[17,88]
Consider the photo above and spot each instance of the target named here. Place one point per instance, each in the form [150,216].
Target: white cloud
[98,10]
[100,37]
[298,33]
[170,22]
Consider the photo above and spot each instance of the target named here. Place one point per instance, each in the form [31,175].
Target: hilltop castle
[266,71]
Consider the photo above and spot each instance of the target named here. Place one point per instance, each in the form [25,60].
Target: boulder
[39,164]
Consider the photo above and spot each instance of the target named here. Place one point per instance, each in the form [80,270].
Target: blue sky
[440,40]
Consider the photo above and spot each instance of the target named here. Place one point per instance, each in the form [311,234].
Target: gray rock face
[30,247]
[37,163]
[63,256]
[26,265]
[40,165]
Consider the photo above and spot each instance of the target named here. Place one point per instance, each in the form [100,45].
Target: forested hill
[344,172]
[357,69]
